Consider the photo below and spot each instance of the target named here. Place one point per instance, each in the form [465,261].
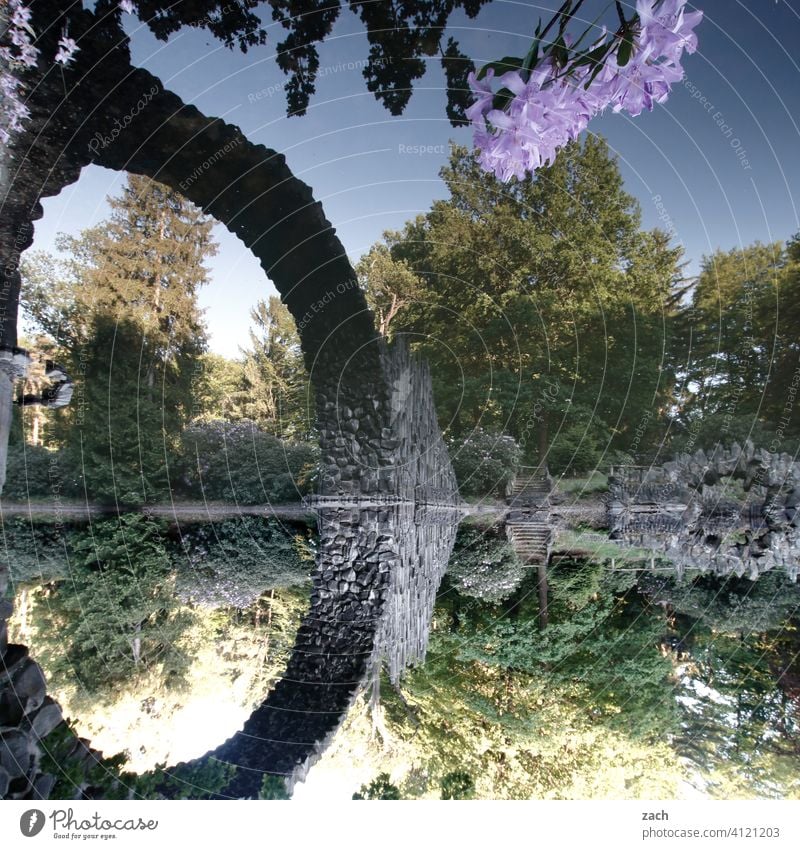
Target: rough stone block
[43,786]
[14,753]
[30,686]
[46,719]
[14,657]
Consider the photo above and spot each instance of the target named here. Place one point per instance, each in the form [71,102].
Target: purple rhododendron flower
[556,104]
[19,54]
[67,48]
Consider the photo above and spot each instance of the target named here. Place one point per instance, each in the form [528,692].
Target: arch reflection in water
[380,561]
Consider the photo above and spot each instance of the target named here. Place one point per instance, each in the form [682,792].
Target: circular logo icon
[31,822]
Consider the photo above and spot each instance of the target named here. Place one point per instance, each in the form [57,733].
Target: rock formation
[732,511]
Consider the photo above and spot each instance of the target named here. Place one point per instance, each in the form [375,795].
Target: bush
[484,565]
[578,444]
[380,788]
[457,785]
[273,788]
[485,463]
[239,462]
[116,615]
[34,472]
[235,561]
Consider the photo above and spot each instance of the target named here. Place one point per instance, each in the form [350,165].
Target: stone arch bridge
[388,500]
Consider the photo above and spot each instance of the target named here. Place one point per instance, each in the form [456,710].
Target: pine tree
[123,306]
[275,385]
[730,345]
[117,614]
[217,390]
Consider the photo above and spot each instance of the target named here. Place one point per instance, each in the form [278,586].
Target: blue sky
[717,165]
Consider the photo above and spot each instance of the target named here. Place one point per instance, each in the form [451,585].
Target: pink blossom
[67,47]
[555,104]
[20,53]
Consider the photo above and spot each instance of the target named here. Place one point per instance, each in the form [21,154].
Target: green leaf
[593,57]
[502,98]
[507,63]
[625,50]
[559,52]
[531,58]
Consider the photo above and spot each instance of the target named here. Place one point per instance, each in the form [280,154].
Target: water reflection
[642,684]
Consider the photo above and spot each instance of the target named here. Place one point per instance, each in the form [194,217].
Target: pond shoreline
[292,510]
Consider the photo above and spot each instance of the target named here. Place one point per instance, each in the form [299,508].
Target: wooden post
[6,409]
[543,611]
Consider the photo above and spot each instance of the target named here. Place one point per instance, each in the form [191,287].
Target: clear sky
[717,165]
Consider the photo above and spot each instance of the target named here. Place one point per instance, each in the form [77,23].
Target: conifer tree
[275,384]
[123,306]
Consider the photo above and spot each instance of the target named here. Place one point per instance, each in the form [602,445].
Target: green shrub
[273,788]
[35,472]
[379,788]
[239,462]
[457,785]
[484,565]
[231,563]
[485,462]
[35,552]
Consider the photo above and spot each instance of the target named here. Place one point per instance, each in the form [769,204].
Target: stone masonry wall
[730,511]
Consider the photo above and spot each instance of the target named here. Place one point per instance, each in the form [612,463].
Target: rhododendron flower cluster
[16,51]
[67,48]
[537,110]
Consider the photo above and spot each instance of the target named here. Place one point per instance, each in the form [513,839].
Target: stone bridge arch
[388,503]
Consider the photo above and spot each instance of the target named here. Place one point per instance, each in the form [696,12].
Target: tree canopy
[539,303]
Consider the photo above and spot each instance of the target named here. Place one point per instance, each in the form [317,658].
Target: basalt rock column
[729,511]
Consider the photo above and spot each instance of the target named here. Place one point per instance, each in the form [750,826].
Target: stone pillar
[13,366]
